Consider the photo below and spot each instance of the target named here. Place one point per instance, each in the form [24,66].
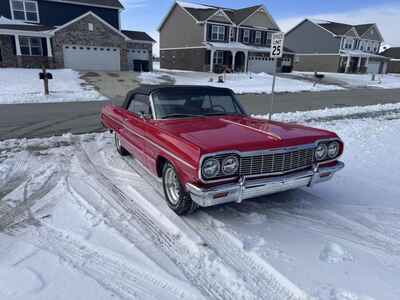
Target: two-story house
[336,47]
[76,34]
[199,37]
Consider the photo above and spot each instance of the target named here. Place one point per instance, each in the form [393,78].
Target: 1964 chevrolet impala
[208,151]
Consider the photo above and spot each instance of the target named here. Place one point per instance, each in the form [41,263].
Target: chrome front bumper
[246,188]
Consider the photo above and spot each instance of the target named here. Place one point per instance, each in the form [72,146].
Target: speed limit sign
[277,44]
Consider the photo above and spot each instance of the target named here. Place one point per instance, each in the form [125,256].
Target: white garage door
[92,58]
[261,64]
[137,54]
[373,67]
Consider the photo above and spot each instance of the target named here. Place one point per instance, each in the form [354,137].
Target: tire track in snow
[328,222]
[202,267]
[258,274]
[106,268]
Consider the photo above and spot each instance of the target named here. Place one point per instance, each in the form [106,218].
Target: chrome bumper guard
[246,188]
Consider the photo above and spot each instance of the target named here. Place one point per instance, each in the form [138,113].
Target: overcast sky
[146,15]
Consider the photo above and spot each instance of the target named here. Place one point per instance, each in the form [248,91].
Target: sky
[146,15]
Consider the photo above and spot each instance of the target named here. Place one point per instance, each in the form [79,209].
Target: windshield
[186,103]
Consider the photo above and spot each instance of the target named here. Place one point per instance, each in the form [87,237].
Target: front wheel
[178,199]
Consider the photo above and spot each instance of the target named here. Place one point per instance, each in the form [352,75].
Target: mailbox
[48,76]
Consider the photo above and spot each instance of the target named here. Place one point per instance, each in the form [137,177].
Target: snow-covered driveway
[24,86]
[79,222]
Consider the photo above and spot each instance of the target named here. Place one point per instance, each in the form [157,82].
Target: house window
[376,45]
[25,10]
[362,45]
[368,46]
[258,37]
[219,57]
[233,35]
[218,33]
[31,46]
[269,38]
[246,36]
[348,43]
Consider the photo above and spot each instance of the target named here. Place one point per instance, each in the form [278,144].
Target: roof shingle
[111,3]
[138,35]
[393,52]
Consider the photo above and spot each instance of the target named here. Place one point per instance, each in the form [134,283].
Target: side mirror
[143,115]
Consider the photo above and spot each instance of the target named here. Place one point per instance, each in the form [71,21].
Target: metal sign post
[277,42]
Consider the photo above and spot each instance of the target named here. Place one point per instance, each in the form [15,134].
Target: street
[45,120]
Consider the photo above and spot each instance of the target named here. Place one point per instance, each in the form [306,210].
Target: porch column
[246,61]
[359,64]
[17,45]
[49,49]
[212,61]
[233,60]
[348,64]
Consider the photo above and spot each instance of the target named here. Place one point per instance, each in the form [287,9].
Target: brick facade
[78,34]
[184,59]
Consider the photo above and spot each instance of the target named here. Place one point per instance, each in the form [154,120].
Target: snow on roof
[5,21]
[319,21]
[193,5]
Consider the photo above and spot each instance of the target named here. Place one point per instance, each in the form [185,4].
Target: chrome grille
[276,162]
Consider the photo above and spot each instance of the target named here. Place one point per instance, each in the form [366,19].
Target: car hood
[215,134]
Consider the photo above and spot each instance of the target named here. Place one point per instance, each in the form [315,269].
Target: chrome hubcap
[172,186]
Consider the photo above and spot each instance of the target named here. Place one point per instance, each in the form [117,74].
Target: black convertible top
[149,89]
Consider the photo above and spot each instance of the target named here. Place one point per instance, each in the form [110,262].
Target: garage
[260,64]
[138,60]
[374,67]
[92,58]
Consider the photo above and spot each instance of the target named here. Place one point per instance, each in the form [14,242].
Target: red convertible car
[208,151]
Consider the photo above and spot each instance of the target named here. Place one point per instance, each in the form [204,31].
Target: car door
[135,120]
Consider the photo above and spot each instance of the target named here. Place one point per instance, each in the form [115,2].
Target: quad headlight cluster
[226,166]
[327,151]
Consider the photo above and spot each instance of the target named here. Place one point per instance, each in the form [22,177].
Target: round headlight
[211,168]
[321,152]
[333,149]
[230,165]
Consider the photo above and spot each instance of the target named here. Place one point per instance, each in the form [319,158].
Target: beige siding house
[209,38]
[325,46]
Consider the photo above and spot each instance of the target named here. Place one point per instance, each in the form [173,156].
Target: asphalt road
[44,120]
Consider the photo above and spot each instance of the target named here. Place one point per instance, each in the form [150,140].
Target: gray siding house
[394,55]
[201,37]
[336,47]
[76,34]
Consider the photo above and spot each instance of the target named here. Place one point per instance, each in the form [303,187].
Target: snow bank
[23,86]
[302,116]
[240,83]
[385,81]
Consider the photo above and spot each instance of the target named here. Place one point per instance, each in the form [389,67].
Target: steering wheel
[219,108]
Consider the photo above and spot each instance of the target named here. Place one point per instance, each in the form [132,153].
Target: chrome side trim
[155,145]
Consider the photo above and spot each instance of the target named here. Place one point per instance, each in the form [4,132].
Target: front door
[136,119]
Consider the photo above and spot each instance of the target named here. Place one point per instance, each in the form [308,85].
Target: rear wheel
[121,150]
[178,199]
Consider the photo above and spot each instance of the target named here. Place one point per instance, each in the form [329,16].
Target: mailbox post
[45,76]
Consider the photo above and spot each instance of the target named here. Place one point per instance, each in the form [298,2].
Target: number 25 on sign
[277,42]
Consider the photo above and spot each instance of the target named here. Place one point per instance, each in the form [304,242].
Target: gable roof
[105,3]
[393,52]
[201,12]
[341,28]
[138,36]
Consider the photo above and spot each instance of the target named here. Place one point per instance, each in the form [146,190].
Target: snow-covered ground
[386,81]
[24,86]
[240,83]
[79,222]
